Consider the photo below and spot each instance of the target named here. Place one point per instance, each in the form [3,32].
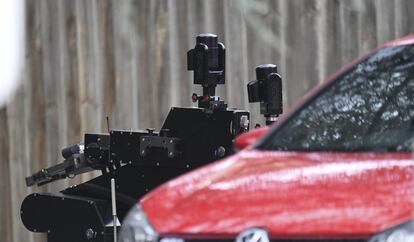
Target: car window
[369,108]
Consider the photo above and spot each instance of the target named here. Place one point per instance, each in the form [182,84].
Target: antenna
[115,219]
[107,123]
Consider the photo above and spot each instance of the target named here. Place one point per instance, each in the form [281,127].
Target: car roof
[401,41]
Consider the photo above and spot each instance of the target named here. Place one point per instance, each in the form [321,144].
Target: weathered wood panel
[5,189]
[88,59]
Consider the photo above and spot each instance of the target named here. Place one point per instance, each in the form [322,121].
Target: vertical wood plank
[301,42]
[5,189]
[106,34]
[127,70]
[19,163]
[238,61]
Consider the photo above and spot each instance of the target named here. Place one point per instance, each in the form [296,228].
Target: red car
[338,167]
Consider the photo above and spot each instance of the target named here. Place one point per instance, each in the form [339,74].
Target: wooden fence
[86,59]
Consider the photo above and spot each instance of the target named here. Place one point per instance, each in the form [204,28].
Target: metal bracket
[158,142]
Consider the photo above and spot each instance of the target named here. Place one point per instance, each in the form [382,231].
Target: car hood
[289,193]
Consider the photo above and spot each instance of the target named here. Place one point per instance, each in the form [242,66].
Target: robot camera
[267,90]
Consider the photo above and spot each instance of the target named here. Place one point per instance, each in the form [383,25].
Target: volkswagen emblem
[253,235]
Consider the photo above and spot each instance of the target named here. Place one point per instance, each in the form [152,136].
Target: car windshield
[369,108]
